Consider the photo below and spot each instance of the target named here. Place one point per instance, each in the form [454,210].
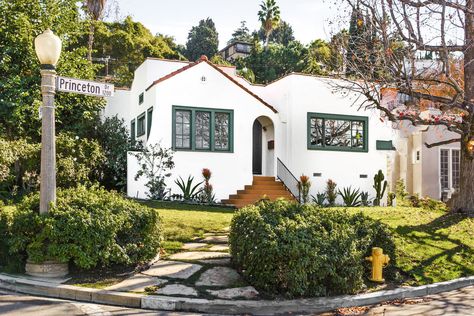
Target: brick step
[263,186]
[256,196]
[263,178]
[264,191]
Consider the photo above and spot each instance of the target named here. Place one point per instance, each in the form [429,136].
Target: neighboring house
[432,172]
[235,50]
[215,119]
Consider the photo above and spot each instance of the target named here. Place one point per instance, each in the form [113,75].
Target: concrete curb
[265,307]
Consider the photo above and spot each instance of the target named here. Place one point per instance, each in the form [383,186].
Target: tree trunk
[91,41]
[464,200]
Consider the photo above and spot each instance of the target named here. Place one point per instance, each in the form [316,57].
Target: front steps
[261,186]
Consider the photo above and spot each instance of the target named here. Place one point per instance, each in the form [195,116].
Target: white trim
[450,169]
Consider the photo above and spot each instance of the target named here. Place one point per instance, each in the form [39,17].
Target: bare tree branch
[444,142]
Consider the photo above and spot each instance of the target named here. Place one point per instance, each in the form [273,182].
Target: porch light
[48,48]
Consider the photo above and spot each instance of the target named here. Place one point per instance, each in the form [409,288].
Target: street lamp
[48,50]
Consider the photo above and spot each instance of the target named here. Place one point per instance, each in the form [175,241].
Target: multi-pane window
[221,131]
[182,129]
[202,129]
[456,164]
[444,168]
[449,168]
[141,125]
[337,132]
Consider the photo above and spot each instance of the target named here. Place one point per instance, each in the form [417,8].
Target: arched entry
[263,146]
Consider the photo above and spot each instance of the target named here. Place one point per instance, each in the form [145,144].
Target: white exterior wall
[230,171]
[305,94]
[293,96]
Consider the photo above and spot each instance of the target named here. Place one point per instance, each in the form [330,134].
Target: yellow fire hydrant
[379,261]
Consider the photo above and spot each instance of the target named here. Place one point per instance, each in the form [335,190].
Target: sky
[310,19]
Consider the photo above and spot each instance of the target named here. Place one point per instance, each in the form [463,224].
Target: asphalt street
[459,302]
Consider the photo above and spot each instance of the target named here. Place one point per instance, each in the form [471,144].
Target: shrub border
[229,307]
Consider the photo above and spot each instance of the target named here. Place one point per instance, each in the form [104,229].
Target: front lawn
[432,246]
[185,222]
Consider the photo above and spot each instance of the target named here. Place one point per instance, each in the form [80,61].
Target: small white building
[212,118]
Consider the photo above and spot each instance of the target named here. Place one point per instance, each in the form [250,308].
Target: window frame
[141,98]
[149,118]
[141,132]
[339,117]
[133,130]
[450,168]
[192,133]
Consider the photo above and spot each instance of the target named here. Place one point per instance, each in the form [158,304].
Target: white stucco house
[212,118]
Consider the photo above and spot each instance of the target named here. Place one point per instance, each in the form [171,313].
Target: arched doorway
[263,146]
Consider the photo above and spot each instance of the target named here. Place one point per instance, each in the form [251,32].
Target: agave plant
[319,199]
[351,197]
[364,198]
[189,191]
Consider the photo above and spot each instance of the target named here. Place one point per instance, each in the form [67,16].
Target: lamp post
[48,50]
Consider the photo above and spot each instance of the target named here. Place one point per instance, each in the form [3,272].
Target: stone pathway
[202,269]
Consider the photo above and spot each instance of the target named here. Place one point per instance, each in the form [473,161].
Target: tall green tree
[269,16]
[122,46]
[20,22]
[203,39]
[282,34]
[241,34]
[319,58]
[274,61]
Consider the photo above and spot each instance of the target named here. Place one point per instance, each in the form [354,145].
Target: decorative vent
[363,176]
[317,174]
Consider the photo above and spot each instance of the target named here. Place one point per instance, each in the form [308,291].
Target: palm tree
[95,8]
[269,15]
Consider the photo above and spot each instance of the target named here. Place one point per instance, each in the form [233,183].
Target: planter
[47,269]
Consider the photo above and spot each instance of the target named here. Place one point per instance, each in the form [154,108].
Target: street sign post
[98,89]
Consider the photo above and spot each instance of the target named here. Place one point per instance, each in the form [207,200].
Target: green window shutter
[335,132]
[149,117]
[384,145]
[202,129]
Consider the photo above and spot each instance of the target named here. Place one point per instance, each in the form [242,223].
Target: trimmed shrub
[88,227]
[283,248]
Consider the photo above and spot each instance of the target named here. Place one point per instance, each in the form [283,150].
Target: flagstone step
[198,255]
[172,269]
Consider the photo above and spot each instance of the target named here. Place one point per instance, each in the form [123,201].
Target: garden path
[201,269]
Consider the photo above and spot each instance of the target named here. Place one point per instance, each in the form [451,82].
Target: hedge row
[284,248]
[88,227]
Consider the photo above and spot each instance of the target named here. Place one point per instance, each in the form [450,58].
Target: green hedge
[88,227]
[293,250]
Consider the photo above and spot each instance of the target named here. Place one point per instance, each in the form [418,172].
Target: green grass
[184,222]
[432,246]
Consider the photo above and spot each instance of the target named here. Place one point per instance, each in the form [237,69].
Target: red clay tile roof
[205,59]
